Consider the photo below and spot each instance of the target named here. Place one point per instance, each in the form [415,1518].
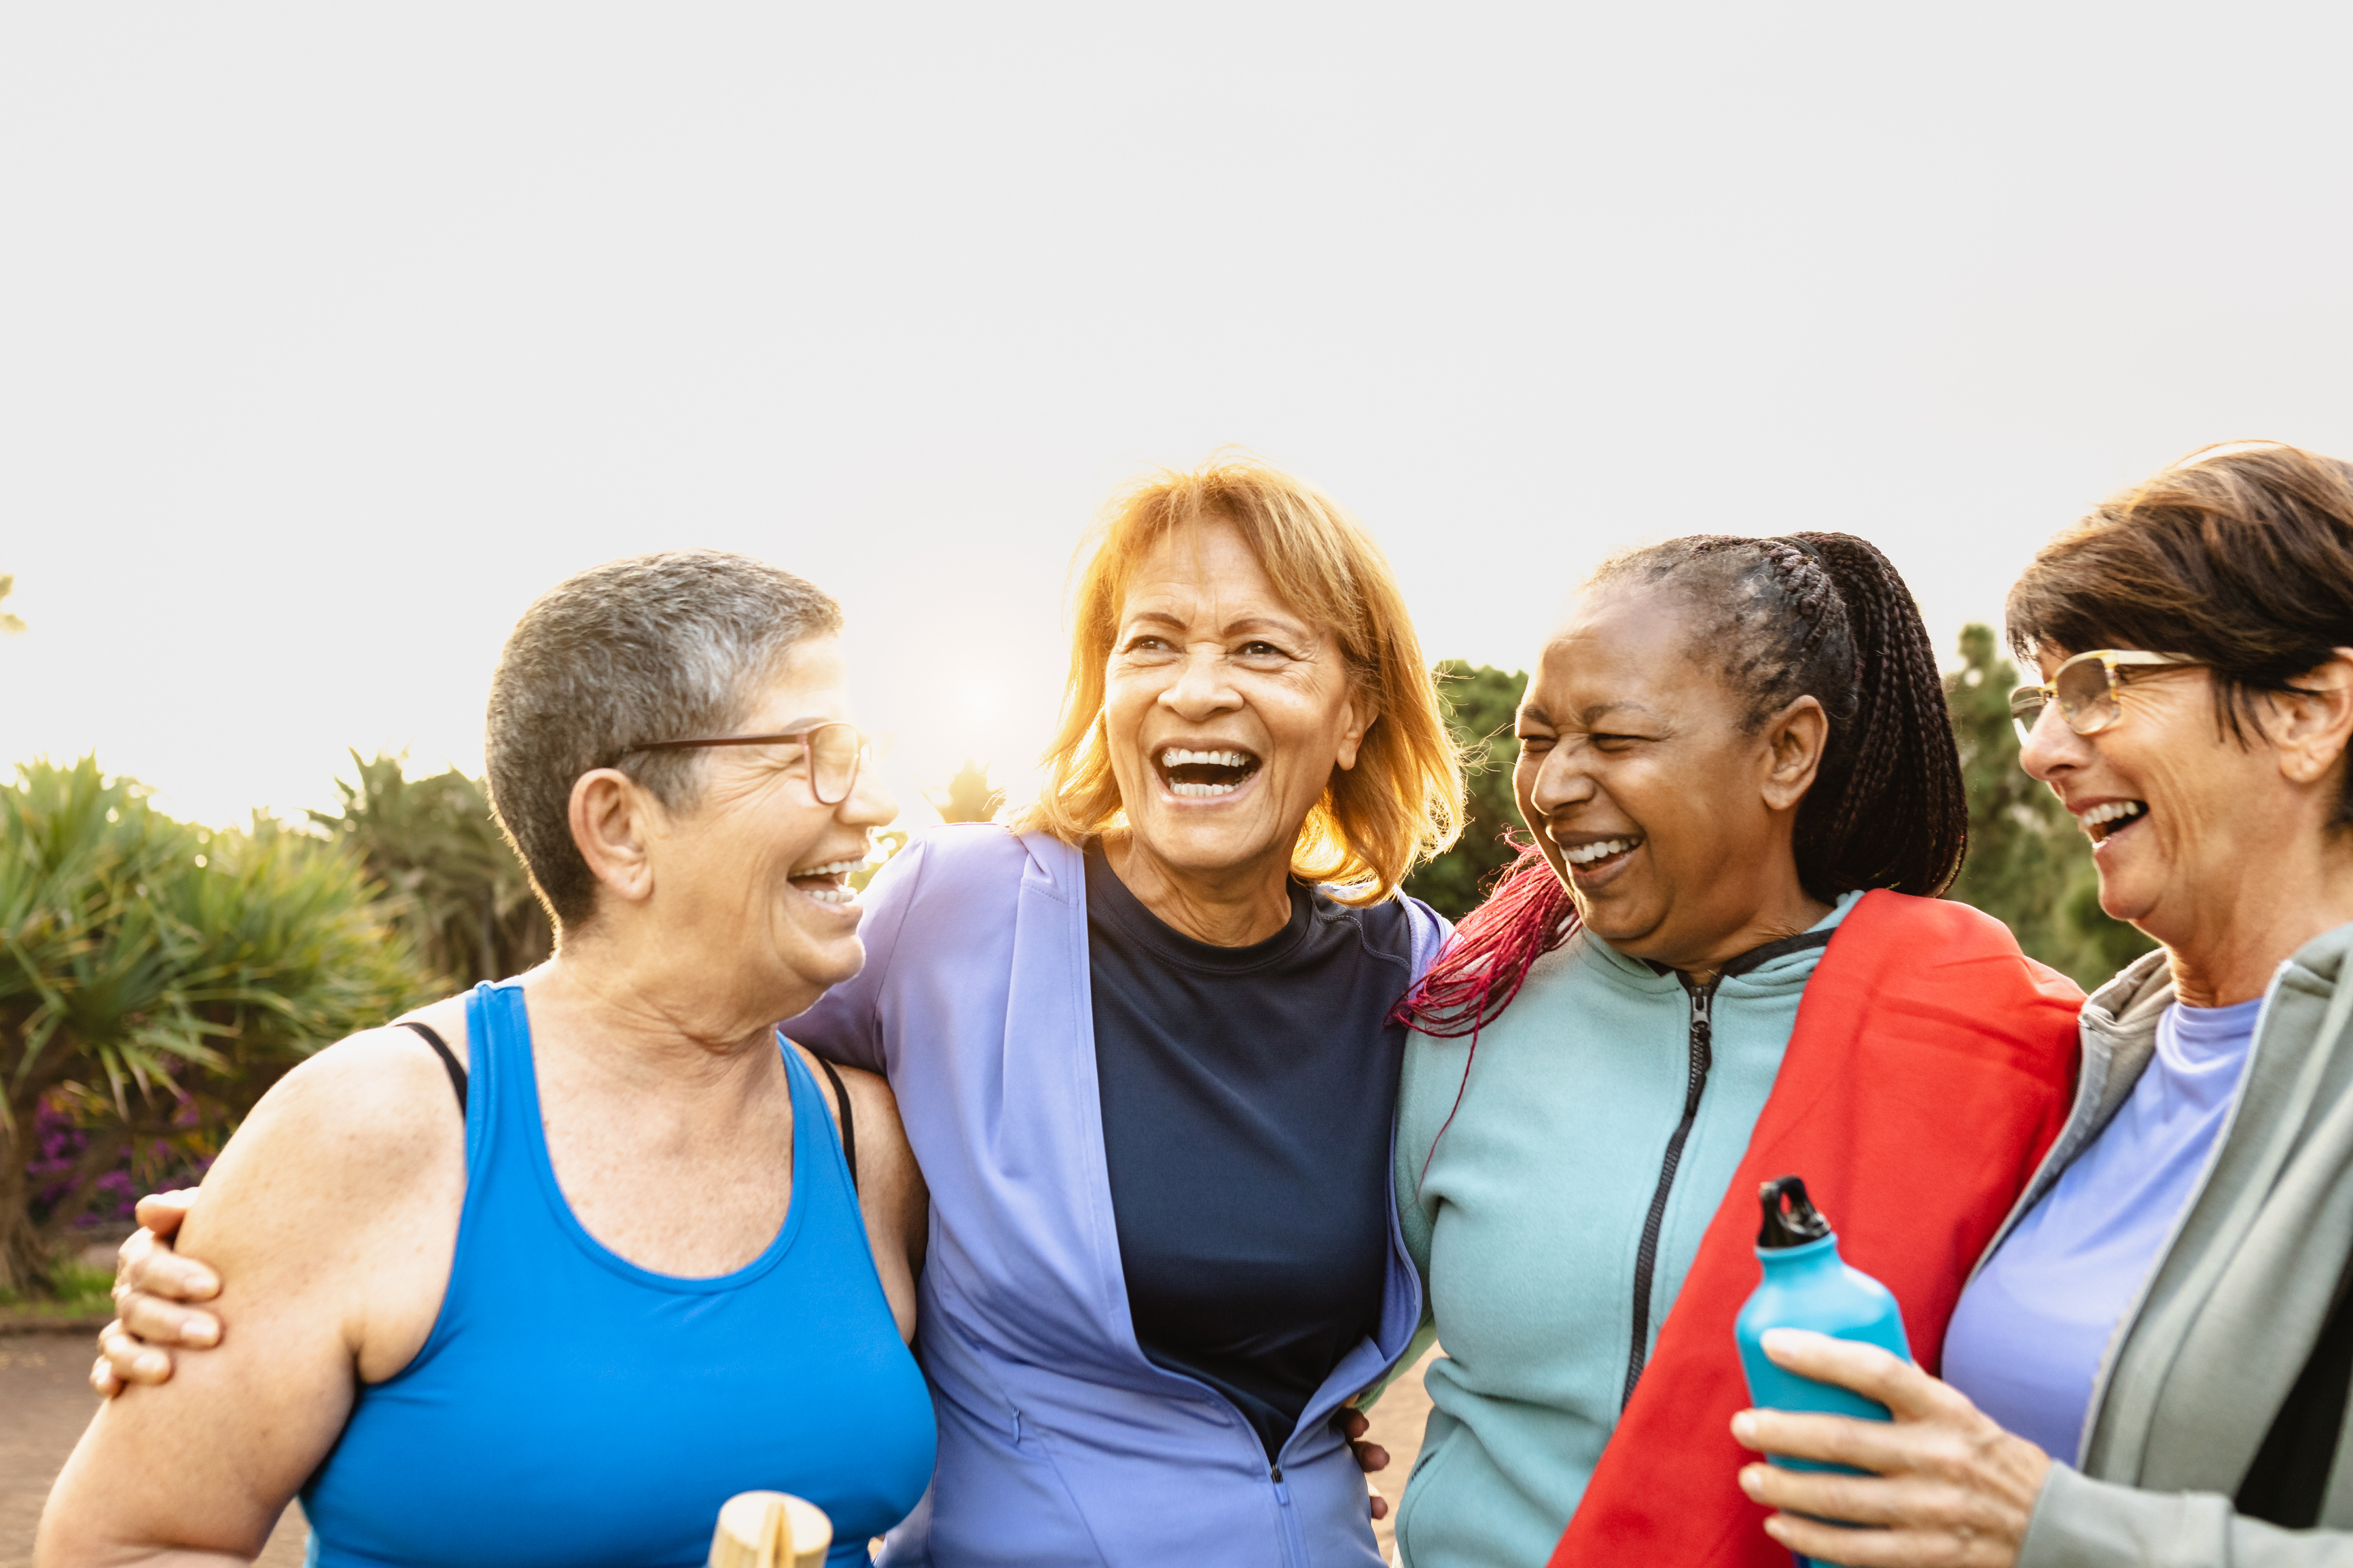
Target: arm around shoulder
[330,1217]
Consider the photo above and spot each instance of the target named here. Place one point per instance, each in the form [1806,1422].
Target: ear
[2310,728]
[612,819]
[1794,741]
[1357,716]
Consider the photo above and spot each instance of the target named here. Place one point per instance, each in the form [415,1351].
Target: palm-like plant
[158,977]
[452,881]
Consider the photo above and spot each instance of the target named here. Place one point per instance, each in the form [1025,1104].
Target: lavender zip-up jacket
[1060,1444]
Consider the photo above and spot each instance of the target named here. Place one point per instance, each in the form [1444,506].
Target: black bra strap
[441,1048]
[849,1120]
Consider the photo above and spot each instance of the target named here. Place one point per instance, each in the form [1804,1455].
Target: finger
[1371,1457]
[163,1212]
[1832,1543]
[1380,1506]
[1854,1500]
[131,1360]
[102,1380]
[1870,1371]
[1353,1422]
[163,1325]
[1882,1447]
[154,1269]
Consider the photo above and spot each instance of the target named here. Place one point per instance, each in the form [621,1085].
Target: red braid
[1527,915]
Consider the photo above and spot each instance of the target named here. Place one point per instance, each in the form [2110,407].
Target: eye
[1534,745]
[1146,644]
[1606,741]
[1259,647]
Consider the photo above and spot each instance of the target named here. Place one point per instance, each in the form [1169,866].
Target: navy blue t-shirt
[1246,1096]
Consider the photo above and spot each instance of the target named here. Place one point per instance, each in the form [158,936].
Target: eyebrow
[1603,710]
[1232,628]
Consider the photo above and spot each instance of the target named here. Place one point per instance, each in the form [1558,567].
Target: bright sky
[330,335]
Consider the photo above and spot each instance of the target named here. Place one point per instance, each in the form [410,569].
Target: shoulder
[965,862]
[367,1122]
[1400,928]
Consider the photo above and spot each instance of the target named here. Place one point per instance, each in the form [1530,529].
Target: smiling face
[754,880]
[1225,710]
[2180,815]
[1669,821]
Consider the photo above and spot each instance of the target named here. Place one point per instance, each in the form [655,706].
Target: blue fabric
[609,1429]
[1060,1442]
[1247,1098]
[1530,1212]
[2027,1336]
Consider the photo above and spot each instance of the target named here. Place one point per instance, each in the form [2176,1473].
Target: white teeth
[1178,787]
[1175,757]
[2113,811]
[832,895]
[832,869]
[1586,854]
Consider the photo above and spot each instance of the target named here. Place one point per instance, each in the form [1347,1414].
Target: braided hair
[1809,614]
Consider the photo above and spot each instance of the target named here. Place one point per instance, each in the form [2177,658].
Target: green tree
[1480,705]
[970,797]
[451,883]
[2029,864]
[156,977]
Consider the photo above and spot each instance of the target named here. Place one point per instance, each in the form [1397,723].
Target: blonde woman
[1143,1048]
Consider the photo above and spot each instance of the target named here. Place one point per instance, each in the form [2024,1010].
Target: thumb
[163,1212]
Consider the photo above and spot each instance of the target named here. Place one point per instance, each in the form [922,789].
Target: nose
[1200,689]
[1561,782]
[2051,748]
[869,804]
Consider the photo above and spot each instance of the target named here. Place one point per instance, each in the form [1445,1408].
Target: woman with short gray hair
[671,749]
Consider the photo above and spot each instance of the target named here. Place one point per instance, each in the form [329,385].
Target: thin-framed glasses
[2087,689]
[835,751]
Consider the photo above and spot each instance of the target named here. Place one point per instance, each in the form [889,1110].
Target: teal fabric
[1528,1219]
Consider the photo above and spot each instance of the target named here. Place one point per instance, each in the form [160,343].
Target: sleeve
[846,1023]
[2082,1523]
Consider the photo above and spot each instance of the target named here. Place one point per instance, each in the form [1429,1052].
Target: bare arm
[331,1219]
[891,1196]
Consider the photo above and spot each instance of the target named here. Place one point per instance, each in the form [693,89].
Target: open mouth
[1204,774]
[2105,822]
[1603,854]
[828,883]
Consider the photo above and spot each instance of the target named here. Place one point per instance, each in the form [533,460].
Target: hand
[1948,1486]
[1370,1456]
[149,1276]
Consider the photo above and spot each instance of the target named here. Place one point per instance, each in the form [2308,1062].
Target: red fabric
[1931,1067]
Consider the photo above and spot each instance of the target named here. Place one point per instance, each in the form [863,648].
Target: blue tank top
[570,1408]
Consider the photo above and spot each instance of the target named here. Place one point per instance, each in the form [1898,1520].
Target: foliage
[450,881]
[8,623]
[1480,704]
[877,855]
[2029,864]
[155,977]
[969,796]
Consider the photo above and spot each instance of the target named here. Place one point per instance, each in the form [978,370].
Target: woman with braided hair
[1721,960]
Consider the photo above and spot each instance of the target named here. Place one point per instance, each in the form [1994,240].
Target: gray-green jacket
[2203,1360]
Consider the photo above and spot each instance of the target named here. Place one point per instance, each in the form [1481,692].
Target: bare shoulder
[347,1132]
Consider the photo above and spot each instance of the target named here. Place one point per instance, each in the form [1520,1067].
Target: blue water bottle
[1808,1286]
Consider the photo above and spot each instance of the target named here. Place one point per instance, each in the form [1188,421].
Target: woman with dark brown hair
[1722,960]
[2150,1363]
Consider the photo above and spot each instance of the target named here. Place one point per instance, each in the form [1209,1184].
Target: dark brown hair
[1819,614]
[2240,557]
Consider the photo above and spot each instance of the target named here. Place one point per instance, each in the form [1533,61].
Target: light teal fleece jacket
[1529,1224]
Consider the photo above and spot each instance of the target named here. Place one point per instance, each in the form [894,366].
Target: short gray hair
[649,648]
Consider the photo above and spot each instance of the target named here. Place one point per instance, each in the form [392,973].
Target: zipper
[1646,1259]
[1294,1543]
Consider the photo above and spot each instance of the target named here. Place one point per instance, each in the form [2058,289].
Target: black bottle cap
[1790,1219]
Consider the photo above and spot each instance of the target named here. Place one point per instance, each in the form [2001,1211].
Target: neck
[2247,930]
[649,1026]
[1790,911]
[1230,906]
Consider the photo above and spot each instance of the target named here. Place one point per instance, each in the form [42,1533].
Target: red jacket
[1932,1065]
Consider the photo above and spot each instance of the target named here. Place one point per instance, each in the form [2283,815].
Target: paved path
[45,1402]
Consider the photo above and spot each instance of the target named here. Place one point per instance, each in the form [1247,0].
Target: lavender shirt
[2027,1339]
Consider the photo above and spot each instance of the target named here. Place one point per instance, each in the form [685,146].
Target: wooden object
[770,1529]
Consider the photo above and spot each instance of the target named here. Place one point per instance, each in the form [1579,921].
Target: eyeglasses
[2087,689]
[835,751]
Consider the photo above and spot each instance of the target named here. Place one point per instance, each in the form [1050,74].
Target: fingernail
[1744,1426]
[201,1331]
[153,1364]
[203,1284]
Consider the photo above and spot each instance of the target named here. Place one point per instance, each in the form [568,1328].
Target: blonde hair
[1403,800]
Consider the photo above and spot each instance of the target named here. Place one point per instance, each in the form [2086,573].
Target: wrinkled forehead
[1203,577]
[1619,645]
